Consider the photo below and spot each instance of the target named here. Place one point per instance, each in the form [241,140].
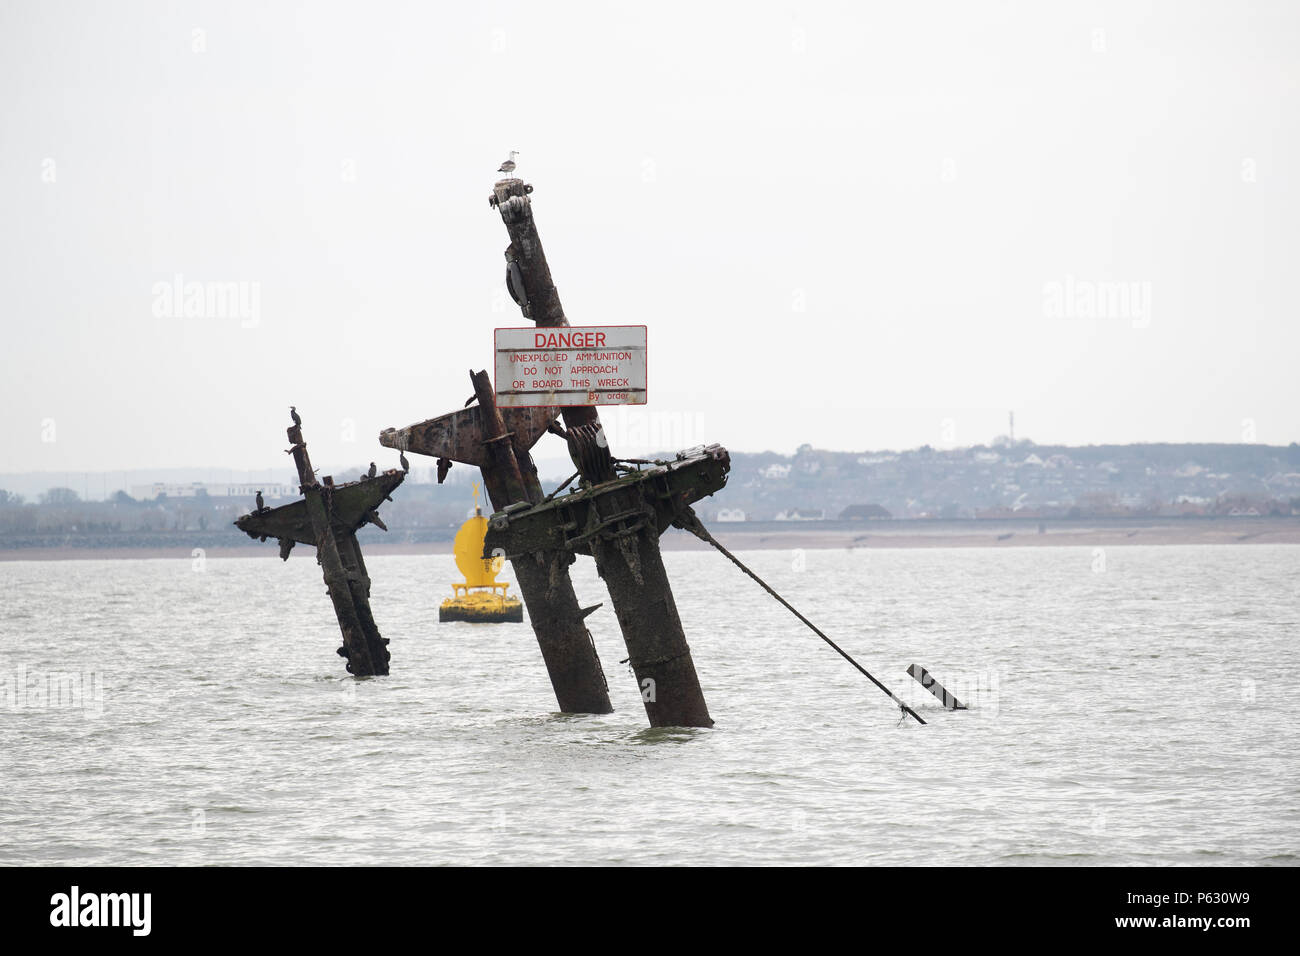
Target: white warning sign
[586,365]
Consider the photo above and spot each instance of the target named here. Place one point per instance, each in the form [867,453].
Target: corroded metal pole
[543,576]
[656,643]
[528,276]
[502,472]
[623,537]
[362,645]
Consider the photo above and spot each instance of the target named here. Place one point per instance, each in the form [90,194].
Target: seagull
[508,166]
[401,457]
[293,413]
[260,506]
[371,472]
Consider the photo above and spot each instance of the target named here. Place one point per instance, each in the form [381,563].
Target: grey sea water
[1132,706]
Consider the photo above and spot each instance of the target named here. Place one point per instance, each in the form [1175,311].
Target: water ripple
[1140,715]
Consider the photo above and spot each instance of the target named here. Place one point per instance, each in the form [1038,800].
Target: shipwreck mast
[625,544]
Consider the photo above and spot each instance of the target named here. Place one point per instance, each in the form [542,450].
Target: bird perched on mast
[508,166]
[371,472]
[293,413]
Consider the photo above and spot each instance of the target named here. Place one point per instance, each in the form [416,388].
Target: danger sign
[589,365]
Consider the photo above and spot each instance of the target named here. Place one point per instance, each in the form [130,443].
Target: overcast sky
[855,225]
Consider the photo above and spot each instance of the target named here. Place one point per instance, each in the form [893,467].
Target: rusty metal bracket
[573,521]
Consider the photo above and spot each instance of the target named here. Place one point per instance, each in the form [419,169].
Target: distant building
[864,513]
[801,514]
[729,514]
[775,471]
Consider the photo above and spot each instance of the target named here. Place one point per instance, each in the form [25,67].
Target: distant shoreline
[789,535]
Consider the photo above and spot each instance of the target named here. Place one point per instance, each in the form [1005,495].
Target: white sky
[910,175]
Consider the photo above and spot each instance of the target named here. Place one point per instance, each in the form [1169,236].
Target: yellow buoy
[481,597]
